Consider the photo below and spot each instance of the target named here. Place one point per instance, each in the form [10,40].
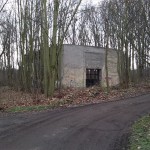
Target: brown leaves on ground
[67,97]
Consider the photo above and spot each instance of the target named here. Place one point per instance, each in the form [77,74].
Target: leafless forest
[32,33]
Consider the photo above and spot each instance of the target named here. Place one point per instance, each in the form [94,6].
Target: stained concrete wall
[76,59]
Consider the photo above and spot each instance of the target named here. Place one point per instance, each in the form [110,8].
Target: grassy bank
[52,105]
[140,138]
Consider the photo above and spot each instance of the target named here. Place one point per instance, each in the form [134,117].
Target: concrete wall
[72,66]
[76,59]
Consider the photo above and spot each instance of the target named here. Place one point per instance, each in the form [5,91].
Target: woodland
[32,34]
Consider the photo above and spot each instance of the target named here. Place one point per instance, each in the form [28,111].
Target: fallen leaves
[66,97]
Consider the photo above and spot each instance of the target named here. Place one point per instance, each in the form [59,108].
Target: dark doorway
[92,77]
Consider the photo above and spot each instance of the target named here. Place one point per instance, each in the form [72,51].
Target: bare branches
[3,5]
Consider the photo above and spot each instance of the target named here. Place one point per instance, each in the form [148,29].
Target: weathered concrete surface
[76,59]
[93,127]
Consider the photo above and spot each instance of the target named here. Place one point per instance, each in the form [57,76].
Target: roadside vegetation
[140,138]
[12,100]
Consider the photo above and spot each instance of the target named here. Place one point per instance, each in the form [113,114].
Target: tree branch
[3,6]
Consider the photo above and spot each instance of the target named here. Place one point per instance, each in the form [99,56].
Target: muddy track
[104,126]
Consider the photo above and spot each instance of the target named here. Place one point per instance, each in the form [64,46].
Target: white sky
[10,2]
[91,1]
[83,1]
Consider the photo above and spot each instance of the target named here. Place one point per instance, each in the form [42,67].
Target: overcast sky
[10,2]
[91,1]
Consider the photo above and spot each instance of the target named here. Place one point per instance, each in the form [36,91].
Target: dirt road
[94,127]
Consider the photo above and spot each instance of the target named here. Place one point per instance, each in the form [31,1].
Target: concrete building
[84,66]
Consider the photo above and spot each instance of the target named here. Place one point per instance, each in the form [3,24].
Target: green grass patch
[28,108]
[140,138]
[52,105]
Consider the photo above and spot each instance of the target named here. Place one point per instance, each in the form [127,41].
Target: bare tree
[2,4]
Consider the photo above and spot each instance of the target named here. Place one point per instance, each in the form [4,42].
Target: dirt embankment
[10,98]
